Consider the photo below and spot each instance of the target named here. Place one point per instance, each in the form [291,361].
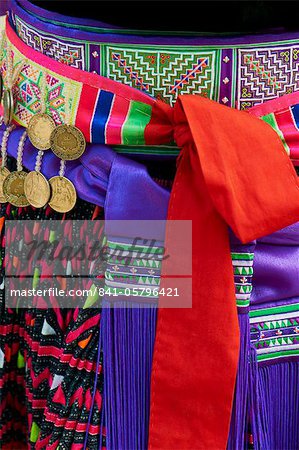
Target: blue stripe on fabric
[295,112]
[101,114]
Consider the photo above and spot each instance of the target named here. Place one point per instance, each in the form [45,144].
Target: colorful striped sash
[283,116]
[106,111]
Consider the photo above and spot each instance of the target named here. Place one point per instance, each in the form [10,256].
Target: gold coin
[37,189]
[13,188]
[8,106]
[39,131]
[64,196]
[4,172]
[67,142]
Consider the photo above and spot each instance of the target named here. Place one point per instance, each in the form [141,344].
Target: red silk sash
[233,172]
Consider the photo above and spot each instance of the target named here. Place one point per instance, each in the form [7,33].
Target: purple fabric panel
[89,174]
[133,195]
[96,36]
[226,80]
[5,5]
[276,261]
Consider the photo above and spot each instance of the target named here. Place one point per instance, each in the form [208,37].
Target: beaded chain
[4,144]
[20,151]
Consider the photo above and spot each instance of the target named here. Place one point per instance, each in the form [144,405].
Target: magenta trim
[277,104]
[75,74]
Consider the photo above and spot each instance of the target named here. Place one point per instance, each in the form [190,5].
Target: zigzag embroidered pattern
[266,73]
[164,74]
[139,269]
[65,52]
[243,272]
[275,332]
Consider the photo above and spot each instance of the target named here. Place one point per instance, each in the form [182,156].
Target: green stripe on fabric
[34,433]
[142,291]
[277,354]
[147,150]
[270,119]
[242,256]
[133,129]
[270,311]
[133,247]
[243,303]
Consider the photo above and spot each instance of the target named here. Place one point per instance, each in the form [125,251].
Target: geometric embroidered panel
[65,52]
[266,73]
[164,73]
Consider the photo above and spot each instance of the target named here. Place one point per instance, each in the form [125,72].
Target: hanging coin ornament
[36,185]
[13,188]
[64,196]
[63,192]
[68,142]
[13,185]
[4,172]
[39,130]
[41,125]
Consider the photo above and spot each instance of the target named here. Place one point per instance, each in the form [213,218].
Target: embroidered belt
[239,71]
[111,113]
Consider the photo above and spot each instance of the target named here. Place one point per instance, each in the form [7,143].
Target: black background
[206,16]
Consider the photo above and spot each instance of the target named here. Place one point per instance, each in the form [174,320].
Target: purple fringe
[128,335]
[275,406]
[239,419]
[266,399]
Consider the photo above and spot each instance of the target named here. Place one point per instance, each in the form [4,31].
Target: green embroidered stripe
[278,310]
[127,277]
[276,342]
[242,256]
[273,324]
[243,289]
[285,353]
[148,263]
[127,292]
[270,119]
[243,270]
[133,129]
[243,303]
[134,247]
[147,150]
